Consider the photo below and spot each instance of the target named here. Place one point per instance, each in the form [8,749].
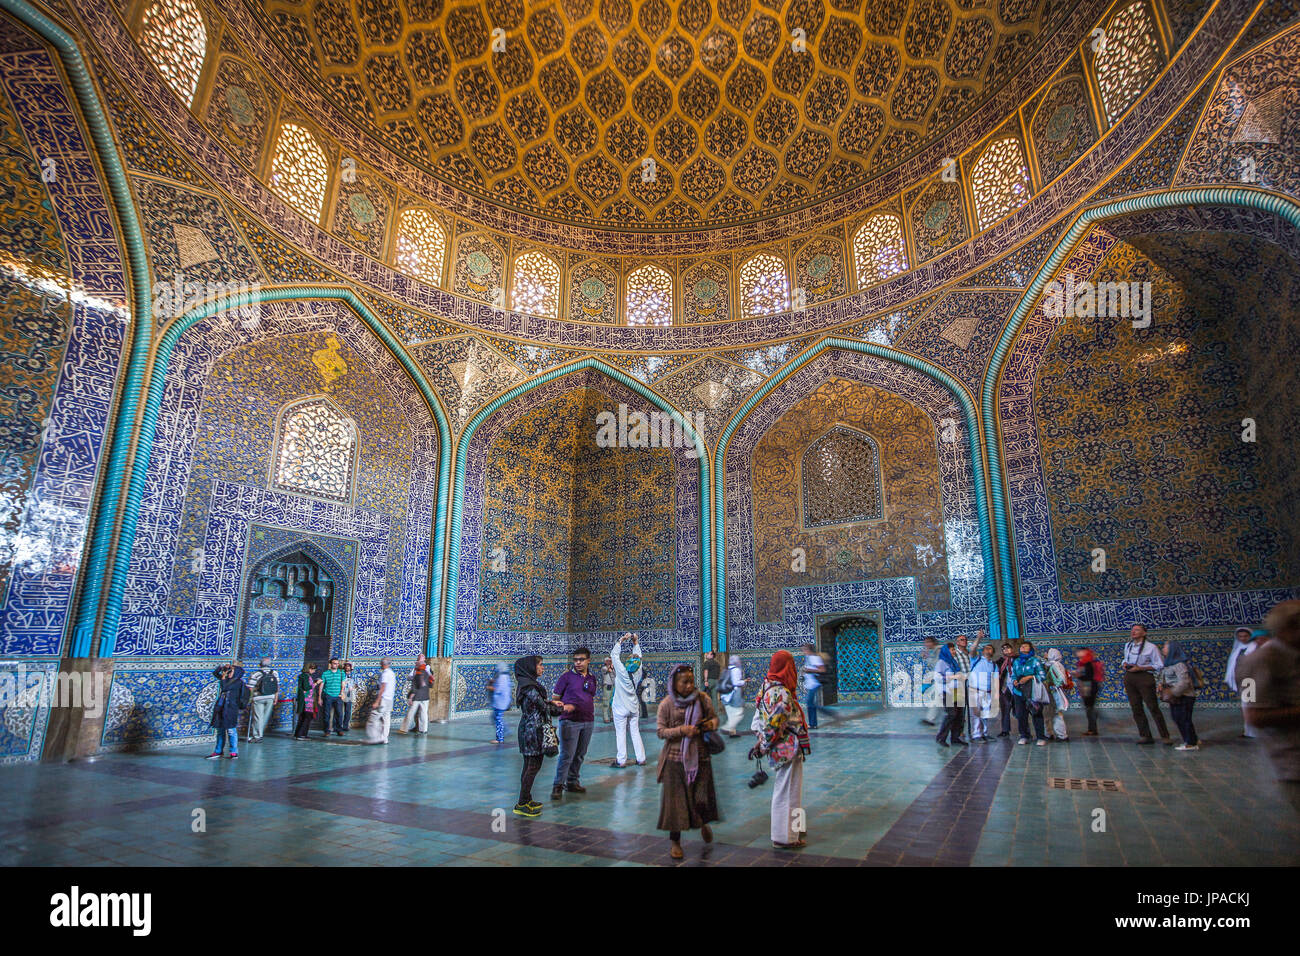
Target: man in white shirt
[1243,643]
[1141,660]
[387,690]
[626,708]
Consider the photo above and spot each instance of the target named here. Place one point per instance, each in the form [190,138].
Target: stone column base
[440,695]
[77,713]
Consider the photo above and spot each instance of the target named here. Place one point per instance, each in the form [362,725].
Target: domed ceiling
[658,115]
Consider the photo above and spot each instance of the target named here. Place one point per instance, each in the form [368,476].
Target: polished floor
[878,791]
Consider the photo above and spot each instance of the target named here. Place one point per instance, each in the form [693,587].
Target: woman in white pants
[783,738]
[734,700]
[626,707]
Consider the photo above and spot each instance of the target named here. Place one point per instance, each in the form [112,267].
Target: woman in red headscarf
[783,739]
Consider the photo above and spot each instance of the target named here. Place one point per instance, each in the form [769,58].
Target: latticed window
[649,297]
[1000,181]
[421,245]
[1127,60]
[299,170]
[315,451]
[878,249]
[764,286]
[175,38]
[537,285]
[841,479]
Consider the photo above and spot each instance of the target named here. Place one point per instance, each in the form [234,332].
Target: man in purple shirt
[575,691]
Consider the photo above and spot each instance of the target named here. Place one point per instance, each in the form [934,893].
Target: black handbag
[550,739]
[712,742]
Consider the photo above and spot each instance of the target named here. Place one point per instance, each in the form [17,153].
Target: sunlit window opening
[764,286]
[176,40]
[300,171]
[1000,181]
[537,285]
[315,451]
[421,245]
[878,249]
[649,297]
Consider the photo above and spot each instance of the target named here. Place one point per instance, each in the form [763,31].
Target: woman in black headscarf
[534,708]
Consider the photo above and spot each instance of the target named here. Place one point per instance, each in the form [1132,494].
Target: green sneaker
[525,810]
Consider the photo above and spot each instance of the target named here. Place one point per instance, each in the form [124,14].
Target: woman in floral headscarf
[687,798]
[783,738]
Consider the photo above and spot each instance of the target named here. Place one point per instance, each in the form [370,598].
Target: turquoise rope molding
[917,364]
[89,603]
[153,405]
[1274,203]
[458,498]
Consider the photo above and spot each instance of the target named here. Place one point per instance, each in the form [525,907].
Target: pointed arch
[341,596]
[1282,206]
[971,421]
[448,630]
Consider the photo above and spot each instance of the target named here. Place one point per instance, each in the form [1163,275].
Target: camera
[758,779]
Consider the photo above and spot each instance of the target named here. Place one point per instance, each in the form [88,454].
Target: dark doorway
[289,612]
[854,659]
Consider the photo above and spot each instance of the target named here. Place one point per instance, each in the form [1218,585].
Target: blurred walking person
[1178,689]
[1243,643]
[732,687]
[1272,698]
[502,694]
[1088,676]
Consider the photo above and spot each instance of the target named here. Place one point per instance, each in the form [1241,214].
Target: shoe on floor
[1023,740]
[964,743]
[534,804]
[527,810]
[1091,733]
[791,846]
[618,766]
[707,833]
[942,743]
[928,723]
[640,763]
[234,756]
[575,788]
[1188,747]
[213,756]
[675,851]
[557,793]
[1005,733]
[1168,741]
[1143,741]
[1042,742]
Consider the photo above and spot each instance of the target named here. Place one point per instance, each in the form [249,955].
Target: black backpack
[268,683]
[245,695]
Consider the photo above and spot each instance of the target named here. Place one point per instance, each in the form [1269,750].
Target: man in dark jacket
[1004,675]
[232,697]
